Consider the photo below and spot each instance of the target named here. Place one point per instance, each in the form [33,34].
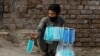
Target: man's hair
[55,7]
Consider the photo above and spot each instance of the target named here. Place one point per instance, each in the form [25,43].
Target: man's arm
[41,25]
[39,29]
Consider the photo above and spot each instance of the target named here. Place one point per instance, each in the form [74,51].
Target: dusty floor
[87,51]
[8,49]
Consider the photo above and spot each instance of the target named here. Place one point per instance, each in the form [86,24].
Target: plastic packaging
[53,33]
[64,50]
[69,35]
[59,34]
[30,46]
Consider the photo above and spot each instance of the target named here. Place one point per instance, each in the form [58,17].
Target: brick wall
[1,13]
[83,15]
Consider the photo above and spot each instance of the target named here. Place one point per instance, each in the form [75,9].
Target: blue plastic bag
[64,50]
[53,33]
[30,46]
[59,34]
[48,36]
[69,35]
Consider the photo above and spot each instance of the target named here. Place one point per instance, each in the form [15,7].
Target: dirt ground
[8,48]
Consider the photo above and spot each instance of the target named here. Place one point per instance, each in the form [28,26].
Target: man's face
[51,13]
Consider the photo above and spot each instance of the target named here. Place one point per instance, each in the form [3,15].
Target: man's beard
[53,19]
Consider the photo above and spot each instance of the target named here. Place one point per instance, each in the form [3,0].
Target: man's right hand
[34,35]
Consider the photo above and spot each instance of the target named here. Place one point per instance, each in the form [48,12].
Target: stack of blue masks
[30,46]
[66,35]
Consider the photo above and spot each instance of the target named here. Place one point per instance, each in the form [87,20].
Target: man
[53,19]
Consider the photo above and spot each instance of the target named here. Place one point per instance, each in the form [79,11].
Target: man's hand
[34,35]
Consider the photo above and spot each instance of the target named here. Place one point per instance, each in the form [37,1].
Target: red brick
[45,7]
[78,44]
[65,7]
[7,21]
[97,39]
[12,26]
[95,35]
[84,2]
[70,25]
[77,21]
[93,2]
[74,12]
[47,1]
[91,44]
[14,15]
[22,9]
[97,16]
[79,16]
[89,16]
[63,12]
[73,7]
[86,16]
[86,12]
[20,21]
[83,30]
[16,8]
[45,12]
[96,21]
[32,3]
[8,0]
[92,7]
[66,16]
[31,15]
[85,44]
[84,39]
[33,26]
[73,17]
[61,2]
[21,2]
[95,30]
[19,26]
[6,8]
[86,35]
[84,26]
[78,35]
[87,7]
[86,30]
[97,8]
[74,2]
[96,26]
[97,44]
[80,7]
[41,16]
[6,15]
[97,12]
[21,15]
